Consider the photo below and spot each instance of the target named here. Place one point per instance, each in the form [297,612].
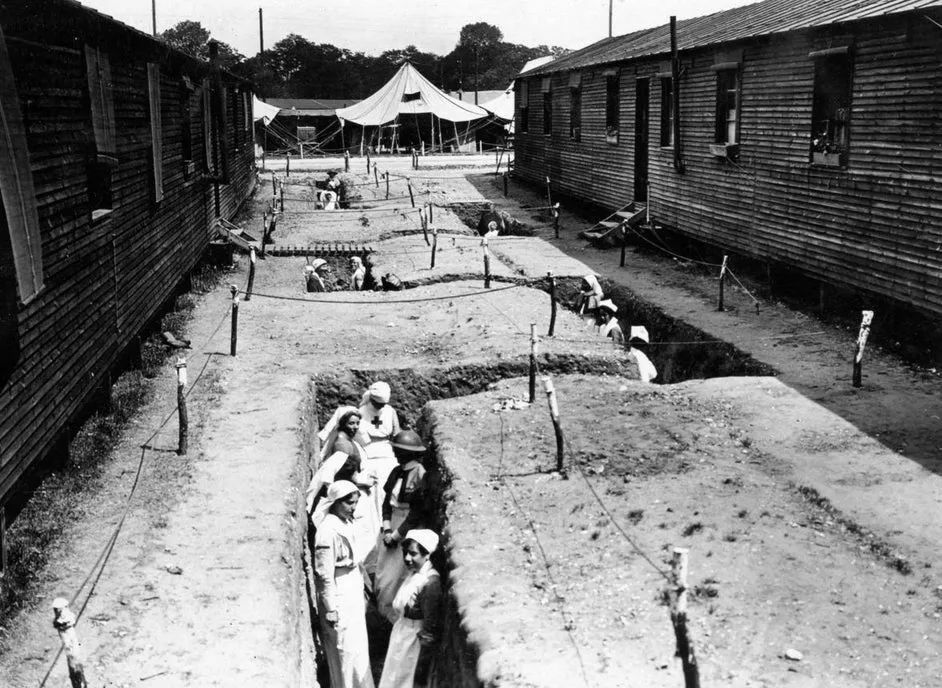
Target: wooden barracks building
[802,133]
[116,156]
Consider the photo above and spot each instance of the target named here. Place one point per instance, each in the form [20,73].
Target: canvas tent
[401,101]
[263,111]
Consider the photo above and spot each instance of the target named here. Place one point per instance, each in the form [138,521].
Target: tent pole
[362,136]
[343,143]
[457,140]
[431,122]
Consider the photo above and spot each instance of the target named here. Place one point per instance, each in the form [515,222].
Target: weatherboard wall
[104,279]
[873,225]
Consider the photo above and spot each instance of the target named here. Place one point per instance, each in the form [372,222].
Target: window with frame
[524,122]
[667,111]
[101,156]
[830,112]
[575,107]
[547,108]
[727,106]
[612,107]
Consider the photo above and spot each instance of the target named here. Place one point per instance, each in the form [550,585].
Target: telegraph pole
[610,18]
[261,32]
[153,16]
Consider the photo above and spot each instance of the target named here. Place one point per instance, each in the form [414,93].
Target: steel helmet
[408,440]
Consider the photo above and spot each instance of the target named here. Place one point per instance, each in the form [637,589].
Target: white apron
[390,568]
[404,647]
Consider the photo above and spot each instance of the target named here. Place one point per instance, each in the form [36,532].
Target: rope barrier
[102,561]
[362,302]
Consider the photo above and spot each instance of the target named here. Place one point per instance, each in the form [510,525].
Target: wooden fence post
[866,319]
[552,287]
[487,264]
[346,162]
[431,212]
[425,223]
[722,282]
[64,622]
[685,650]
[375,175]
[386,175]
[434,245]
[368,161]
[252,260]
[411,197]
[282,190]
[532,362]
[505,185]
[623,228]
[557,428]
[549,193]
[556,220]
[287,164]
[274,187]
[181,406]
[235,319]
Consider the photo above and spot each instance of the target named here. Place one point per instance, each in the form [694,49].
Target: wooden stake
[368,160]
[532,362]
[411,197]
[274,189]
[722,282]
[505,185]
[866,319]
[248,288]
[287,164]
[549,193]
[64,622]
[556,220]
[235,319]
[434,245]
[623,228]
[282,197]
[557,428]
[346,162]
[685,650]
[386,175]
[487,264]
[431,212]
[375,175]
[552,286]
[425,223]
[181,406]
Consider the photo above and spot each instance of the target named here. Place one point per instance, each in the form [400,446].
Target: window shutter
[16,186]
[156,130]
[98,71]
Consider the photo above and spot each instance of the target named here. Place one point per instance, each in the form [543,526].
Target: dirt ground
[569,600]
[204,585]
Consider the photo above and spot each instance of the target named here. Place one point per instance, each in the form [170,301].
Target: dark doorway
[642,115]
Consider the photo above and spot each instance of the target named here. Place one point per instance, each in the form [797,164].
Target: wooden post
[431,213]
[181,406]
[532,362]
[282,190]
[685,650]
[487,264]
[557,428]
[505,185]
[375,175]
[722,281]
[861,343]
[64,622]
[386,175]
[274,188]
[411,197]
[647,205]
[235,319]
[248,288]
[346,162]
[624,243]
[553,306]
[556,220]
[424,226]
[368,160]
[434,246]
[417,155]
[549,193]
[287,164]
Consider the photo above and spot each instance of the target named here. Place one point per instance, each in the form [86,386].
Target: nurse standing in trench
[338,583]
[417,604]
[404,508]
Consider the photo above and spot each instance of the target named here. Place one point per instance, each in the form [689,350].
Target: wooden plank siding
[104,279]
[874,225]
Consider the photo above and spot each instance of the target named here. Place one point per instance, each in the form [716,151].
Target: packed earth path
[206,585]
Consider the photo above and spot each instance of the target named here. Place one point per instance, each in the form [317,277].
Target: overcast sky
[372,26]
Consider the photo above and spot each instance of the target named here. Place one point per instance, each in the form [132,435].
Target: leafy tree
[192,38]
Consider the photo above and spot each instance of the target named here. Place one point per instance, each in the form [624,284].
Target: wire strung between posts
[675,255]
[362,302]
[569,622]
[777,337]
[105,555]
[742,286]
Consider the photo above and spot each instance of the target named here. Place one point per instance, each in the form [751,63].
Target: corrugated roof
[749,21]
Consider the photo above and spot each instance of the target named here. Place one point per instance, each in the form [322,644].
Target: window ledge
[724,150]
[101,214]
[821,159]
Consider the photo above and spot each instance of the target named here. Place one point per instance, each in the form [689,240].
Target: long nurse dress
[339,588]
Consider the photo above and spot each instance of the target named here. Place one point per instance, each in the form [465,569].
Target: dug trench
[414,387]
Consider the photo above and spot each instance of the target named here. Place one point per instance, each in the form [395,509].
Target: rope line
[105,555]
[362,302]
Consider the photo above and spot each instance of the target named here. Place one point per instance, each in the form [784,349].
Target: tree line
[294,67]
